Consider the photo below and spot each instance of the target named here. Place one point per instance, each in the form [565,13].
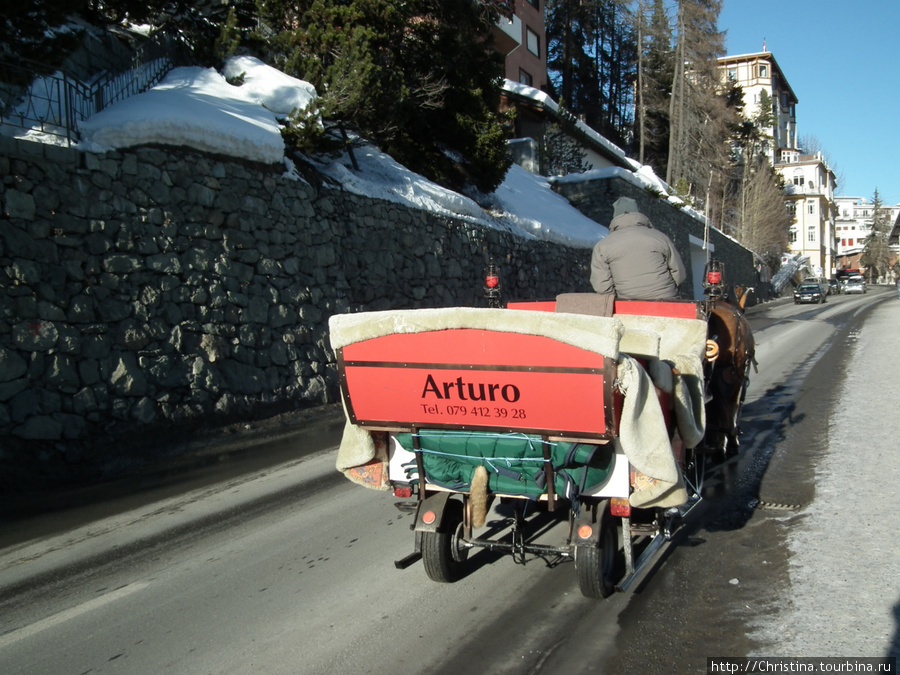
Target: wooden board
[478,379]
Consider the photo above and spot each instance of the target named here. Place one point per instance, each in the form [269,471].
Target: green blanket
[515,462]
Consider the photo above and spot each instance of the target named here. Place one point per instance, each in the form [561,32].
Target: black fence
[55,103]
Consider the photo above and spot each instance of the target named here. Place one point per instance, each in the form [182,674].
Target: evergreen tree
[592,63]
[876,256]
[655,72]
[202,25]
[418,78]
[568,61]
[701,121]
[33,31]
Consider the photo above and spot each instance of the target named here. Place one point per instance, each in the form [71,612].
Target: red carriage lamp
[492,285]
[714,278]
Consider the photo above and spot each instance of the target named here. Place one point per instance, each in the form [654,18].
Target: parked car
[809,291]
[834,288]
[823,283]
[855,285]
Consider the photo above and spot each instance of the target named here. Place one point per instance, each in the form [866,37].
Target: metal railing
[55,104]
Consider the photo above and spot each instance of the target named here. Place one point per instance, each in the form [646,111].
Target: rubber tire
[444,560]
[597,567]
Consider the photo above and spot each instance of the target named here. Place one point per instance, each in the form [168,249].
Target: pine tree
[876,256]
[568,59]
[418,78]
[28,32]
[655,72]
[701,121]
[592,63]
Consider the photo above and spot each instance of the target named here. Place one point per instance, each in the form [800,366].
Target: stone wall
[156,287]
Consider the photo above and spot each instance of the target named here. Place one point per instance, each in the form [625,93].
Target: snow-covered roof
[543,99]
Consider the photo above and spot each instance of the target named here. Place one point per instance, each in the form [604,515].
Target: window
[791,208]
[525,77]
[763,71]
[732,74]
[811,233]
[811,207]
[784,101]
[798,179]
[793,235]
[535,3]
[533,42]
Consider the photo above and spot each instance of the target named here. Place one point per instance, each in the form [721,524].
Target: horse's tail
[741,293]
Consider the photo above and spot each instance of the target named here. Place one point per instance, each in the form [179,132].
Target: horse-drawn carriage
[585,407]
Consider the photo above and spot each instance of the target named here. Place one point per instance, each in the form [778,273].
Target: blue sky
[842,59]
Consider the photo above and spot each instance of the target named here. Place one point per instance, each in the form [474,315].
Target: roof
[766,56]
[542,101]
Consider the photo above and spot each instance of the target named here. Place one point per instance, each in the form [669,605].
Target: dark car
[834,288]
[809,292]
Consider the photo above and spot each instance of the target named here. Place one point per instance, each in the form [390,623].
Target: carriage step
[646,556]
[411,559]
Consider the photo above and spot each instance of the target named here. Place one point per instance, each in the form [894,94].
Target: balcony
[811,191]
[508,34]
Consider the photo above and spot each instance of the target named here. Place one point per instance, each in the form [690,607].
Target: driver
[635,261]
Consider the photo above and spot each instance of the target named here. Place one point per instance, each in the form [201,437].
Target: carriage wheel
[442,554]
[597,566]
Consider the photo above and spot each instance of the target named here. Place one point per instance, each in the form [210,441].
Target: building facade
[809,182]
[757,74]
[521,38]
[853,224]
[810,185]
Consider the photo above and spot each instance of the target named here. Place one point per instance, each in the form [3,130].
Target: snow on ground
[524,203]
[198,108]
[238,113]
[844,565]
[193,107]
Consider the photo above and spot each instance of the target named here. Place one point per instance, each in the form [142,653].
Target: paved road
[792,555]
[844,568]
[288,568]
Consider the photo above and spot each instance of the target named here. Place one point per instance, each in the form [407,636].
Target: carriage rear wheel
[598,566]
[443,554]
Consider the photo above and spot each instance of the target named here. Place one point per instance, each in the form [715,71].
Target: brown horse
[731,351]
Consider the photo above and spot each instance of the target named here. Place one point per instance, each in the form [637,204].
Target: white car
[855,285]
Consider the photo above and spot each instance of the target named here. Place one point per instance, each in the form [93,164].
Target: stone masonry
[156,287]
[152,287]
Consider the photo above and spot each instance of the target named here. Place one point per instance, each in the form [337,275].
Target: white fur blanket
[595,334]
[679,368]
